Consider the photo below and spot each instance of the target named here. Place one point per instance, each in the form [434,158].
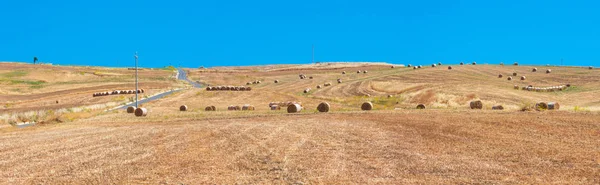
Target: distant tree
[35,60]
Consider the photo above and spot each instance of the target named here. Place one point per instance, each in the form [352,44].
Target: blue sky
[224,33]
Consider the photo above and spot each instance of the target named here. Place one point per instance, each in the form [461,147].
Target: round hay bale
[258,82]
[275,107]
[213,108]
[276,81]
[509,78]
[323,107]
[449,67]
[502,63]
[432,65]
[497,107]
[474,63]
[534,70]
[420,66]
[294,108]
[590,67]
[415,67]
[393,67]
[143,91]
[307,90]
[56,101]
[420,106]
[141,112]
[366,106]
[439,63]
[183,108]
[477,104]
[541,106]
[208,108]
[343,72]
[568,85]
[462,63]
[248,88]
[130,109]
[553,106]
[548,71]
[516,63]
[248,83]
[365,71]
[139,91]
[514,73]
[499,75]
[516,87]
[409,65]
[242,88]
[358,71]
[318,86]
[339,81]
[208,89]
[310,77]
[522,77]
[237,107]
[247,107]
[390,96]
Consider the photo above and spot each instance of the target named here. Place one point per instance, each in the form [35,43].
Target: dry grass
[357,148]
[445,144]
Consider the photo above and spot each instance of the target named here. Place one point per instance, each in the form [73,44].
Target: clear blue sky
[218,33]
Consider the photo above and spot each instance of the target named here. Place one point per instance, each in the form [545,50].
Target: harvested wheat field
[393,143]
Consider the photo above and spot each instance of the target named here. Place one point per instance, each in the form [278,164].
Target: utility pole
[136,80]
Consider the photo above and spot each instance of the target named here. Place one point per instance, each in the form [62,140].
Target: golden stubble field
[446,143]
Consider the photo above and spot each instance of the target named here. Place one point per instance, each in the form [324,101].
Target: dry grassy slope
[435,87]
[336,148]
[27,87]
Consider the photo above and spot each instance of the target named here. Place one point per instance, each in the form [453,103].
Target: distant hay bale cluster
[545,89]
[210,108]
[254,82]
[234,107]
[547,106]
[228,88]
[116,92]
[278,105]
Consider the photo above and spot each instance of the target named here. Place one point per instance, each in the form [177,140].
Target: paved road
[182,75]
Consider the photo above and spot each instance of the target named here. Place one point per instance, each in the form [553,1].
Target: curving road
[182,75]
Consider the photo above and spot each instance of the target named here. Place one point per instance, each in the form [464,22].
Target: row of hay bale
[254,82]
[245,107]
[138,112]
[544,89]
[228,88]
[478,104]
[213,108]
[116,92]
